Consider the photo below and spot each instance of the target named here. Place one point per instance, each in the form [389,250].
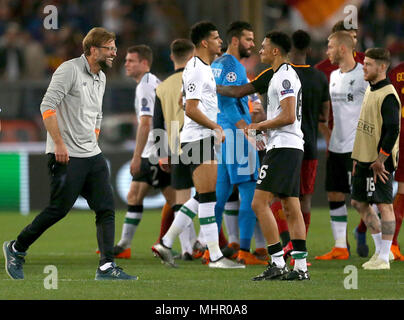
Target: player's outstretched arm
[236,91]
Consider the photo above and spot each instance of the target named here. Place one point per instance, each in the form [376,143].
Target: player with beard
[347,89]
[375,154]
[239,162]
[326,66]
[144,166]
[72,113]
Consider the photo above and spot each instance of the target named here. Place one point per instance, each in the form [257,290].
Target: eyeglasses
[114,49]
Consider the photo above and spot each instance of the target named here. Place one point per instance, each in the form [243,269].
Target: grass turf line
[71,243]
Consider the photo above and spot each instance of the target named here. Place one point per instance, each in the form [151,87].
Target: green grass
[70,246]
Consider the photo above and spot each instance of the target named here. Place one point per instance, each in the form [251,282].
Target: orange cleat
[197,250]
[262,254]
[335,254]
[231,250]
[395,249]
[121,253]
[247,258]
[206,257]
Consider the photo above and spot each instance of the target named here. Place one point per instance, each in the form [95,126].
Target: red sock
[306,218]
[398,206]
[362,227]
[167,217]
[276,208]
[222,239]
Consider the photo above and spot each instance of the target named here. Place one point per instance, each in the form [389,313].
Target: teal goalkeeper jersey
[241,162]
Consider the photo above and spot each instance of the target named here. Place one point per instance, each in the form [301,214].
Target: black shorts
[181,176]
[152,175]
[338,172]
[365,190]
[195,153]
[280,172]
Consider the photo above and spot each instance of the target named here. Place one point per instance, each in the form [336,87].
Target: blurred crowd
[29,51]
[380,24]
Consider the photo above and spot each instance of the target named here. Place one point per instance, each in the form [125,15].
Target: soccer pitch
[70,246]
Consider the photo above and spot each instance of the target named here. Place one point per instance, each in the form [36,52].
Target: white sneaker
[164,254]
[224,263]
[378,264]
[371,260]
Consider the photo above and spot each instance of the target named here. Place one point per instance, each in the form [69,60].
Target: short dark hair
[200,31]
[181,48]
[379,54]
[236,29]
[301,39]
[340,26]
[281,40]
[143,51]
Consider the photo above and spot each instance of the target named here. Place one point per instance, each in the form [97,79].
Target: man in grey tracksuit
[72,111]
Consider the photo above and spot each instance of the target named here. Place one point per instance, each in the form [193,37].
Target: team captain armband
[48,113]
[384,153]
[97,131]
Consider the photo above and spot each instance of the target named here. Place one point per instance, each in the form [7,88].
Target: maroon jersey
[396,76]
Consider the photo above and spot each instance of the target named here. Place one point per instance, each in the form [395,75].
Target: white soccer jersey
[144,106]
[199,83]
[346,90]
[285,83]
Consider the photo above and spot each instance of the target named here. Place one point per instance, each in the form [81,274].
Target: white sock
[339,223]
[377,238]
[201,238]
[105,266]
[209,229]
[260,241]
[385,249]
[184,236]
[300,260]
[192,234]
[277,258]
[230,217]
[181,221]
[132,220]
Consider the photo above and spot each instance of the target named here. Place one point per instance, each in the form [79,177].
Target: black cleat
[298,275]
[272,272]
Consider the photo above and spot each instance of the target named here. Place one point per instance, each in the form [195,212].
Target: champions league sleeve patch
[286,85]
[144,105]
[231,76]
